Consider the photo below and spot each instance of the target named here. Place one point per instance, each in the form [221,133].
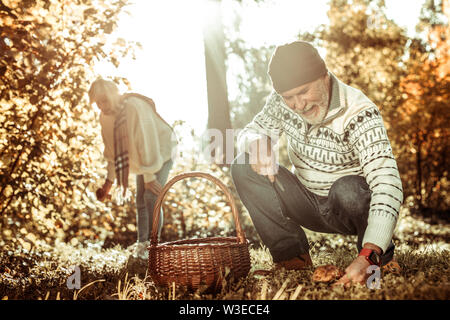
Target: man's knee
[350,194]
[240,166]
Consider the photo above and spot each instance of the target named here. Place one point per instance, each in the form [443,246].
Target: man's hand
[262,159]
[103,192]
[154,186]
[356,272]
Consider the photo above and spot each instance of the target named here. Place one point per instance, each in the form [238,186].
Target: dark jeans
[277,215]
[145,203]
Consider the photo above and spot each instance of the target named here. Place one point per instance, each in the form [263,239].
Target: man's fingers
[344,280]
[347,281]
[265,170]
[259,169]
[268,171]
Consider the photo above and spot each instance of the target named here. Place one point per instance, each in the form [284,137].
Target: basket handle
[159,200]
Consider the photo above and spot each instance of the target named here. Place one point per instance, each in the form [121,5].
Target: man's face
[310,100]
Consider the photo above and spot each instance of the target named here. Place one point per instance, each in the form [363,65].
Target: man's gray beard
[308,120]
[322,105]
[320,117]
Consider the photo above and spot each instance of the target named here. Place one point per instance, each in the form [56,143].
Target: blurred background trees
[406,77]
[49,138]
[422,125]
[49,144]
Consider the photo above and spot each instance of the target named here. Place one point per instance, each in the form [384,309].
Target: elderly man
[345,180]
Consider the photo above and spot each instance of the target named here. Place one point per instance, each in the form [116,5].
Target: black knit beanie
[295,64]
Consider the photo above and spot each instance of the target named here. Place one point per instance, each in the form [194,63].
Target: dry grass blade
[264,291]
[126,293]
[140,290]
[281,291]
[76,294]
[173,291]
[296,292]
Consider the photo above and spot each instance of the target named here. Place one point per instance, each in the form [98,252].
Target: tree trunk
[419,173]
[215,56]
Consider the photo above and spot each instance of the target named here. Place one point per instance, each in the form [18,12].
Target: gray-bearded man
[345,180]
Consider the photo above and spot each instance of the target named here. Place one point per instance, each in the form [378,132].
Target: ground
[42,271]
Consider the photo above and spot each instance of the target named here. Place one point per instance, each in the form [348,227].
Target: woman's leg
[150,198]
[141,212]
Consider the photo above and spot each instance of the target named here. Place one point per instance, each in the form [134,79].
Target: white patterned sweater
[352,140]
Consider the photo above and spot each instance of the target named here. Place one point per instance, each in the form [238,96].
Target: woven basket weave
[196,263]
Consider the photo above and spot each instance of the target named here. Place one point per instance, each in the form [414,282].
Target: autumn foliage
[408,79]
[423,121]
[51,159]
[49,140]
[51,152]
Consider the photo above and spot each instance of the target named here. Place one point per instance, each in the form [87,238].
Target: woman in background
[136,140]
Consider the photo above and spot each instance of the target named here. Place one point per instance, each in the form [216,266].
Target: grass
[41,272]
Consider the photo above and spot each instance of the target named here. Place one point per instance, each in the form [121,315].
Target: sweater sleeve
[143,134]
[266,123]
[367,134]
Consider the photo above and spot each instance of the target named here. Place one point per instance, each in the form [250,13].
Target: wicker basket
[196,263]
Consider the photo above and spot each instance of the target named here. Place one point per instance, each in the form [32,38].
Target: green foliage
[247,67]
[252,81]
[49,137]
